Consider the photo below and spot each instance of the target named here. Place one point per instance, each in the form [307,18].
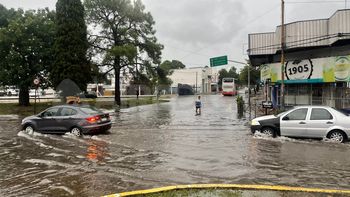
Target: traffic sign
[36,81]
[218,61]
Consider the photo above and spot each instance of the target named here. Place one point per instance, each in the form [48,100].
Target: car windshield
[281,114]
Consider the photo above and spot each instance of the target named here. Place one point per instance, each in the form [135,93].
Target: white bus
[228,87]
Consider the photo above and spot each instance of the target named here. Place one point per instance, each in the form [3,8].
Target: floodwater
[160,145]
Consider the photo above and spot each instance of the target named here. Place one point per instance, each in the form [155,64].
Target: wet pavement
[160,145]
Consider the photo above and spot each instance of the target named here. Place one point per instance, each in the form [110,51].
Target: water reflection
[97,151]
[160,145]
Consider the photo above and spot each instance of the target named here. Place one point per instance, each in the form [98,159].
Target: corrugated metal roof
[308,33]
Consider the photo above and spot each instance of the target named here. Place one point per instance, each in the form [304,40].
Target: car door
[67,118]
[47,121]
[294,123]
[319,122]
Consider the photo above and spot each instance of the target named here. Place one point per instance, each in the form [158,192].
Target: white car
[12,92]
[38,93]
[305,122]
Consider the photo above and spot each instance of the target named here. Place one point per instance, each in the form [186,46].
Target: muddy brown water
[160,145]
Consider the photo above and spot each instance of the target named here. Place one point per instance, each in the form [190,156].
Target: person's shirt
[198,103]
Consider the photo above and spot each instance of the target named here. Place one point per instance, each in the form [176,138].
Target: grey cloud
[197,22]
[29,4]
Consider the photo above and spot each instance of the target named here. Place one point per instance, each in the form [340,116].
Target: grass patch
[14,108]
[195,193]
[233,193]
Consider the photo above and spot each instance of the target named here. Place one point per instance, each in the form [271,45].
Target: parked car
[77,119]
[305,122]
[38,93]
[12,92]
[89,94]
[2,92]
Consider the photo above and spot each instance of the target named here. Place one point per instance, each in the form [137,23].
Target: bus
[228,87]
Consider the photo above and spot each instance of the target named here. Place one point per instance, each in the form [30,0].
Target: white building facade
[201,79]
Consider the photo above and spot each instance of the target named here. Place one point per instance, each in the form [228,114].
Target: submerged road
[160,145]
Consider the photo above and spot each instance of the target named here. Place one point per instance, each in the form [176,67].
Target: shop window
[303,89]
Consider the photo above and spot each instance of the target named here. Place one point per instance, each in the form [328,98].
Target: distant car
[12,92]
[37,93]
[305,122]
[88,94]
[2,92]
[77,119]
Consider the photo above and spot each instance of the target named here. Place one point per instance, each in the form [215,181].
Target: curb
[231,186]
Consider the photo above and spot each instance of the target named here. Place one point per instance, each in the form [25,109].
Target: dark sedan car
[77,119]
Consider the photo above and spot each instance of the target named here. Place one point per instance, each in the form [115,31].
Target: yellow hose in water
[231,186]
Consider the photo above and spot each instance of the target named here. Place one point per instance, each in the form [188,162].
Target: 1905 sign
[299,69]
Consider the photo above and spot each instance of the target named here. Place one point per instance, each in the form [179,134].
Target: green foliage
[126,38]
[160,75]
[71,45]
[174,64]
[25,49]
[232,73]
[6,15]
[254,75]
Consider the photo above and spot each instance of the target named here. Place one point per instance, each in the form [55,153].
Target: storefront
[318,81]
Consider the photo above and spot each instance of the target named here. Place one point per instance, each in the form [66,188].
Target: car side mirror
[285,118]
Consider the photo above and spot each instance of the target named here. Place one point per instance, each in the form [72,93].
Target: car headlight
[254,122]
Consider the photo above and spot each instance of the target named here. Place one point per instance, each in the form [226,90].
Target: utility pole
[282,55]
[250,111]
[196,81]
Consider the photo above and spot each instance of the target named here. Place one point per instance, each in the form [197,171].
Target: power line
[249,23]
[302,41]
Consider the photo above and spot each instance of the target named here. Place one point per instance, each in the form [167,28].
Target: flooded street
[164,144]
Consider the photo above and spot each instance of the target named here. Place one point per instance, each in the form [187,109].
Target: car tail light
[93,119]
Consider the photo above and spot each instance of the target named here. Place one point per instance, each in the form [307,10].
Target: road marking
[231,186]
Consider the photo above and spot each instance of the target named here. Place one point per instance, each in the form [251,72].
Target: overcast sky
[193,31]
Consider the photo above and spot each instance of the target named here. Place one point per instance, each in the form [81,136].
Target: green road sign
[218,61]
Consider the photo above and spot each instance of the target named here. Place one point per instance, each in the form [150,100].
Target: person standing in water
[198,104]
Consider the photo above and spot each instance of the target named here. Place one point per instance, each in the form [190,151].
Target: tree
[26,40]
[170,65]
[254,75]
[126,38]
[71,45]
[160,75]
[232,73]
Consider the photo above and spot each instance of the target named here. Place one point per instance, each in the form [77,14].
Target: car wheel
[29,128]
[76,131]
[268,131]
[337,136]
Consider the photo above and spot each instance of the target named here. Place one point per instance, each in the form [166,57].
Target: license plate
[104,119]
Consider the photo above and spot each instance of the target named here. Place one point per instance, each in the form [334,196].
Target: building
[317,61]
[202,79]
